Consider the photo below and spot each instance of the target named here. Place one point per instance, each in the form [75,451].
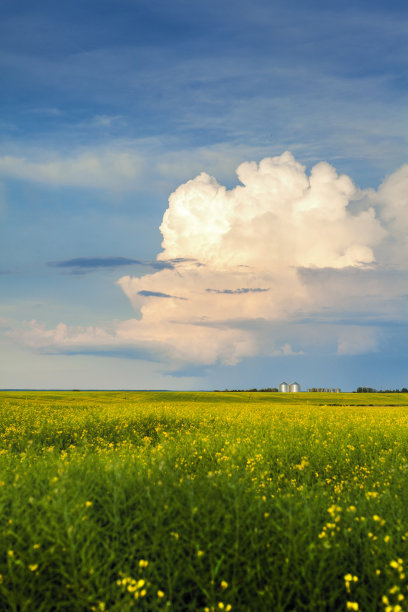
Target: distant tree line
[371,390]
[267,390]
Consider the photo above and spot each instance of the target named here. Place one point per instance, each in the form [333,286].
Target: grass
[203,501]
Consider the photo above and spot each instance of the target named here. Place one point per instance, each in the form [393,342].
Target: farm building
[292,388]
[324,390]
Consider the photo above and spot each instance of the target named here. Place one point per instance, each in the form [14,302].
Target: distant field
[203,501]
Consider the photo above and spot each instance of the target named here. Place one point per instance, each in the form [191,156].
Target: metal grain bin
[294,387]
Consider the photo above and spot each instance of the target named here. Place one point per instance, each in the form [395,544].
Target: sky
[203,195]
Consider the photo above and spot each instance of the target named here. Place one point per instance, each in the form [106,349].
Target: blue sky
[108,108]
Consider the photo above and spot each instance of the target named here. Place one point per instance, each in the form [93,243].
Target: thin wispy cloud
[89,263]
[192,99]
[159,294]
[84,265]
[107,169]
[237,291]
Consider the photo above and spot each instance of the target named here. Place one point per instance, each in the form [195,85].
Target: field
[203,501]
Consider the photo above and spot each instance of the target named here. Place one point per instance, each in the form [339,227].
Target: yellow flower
[33,567]
[88,504]
[160,593]
[224,584]
[352,605]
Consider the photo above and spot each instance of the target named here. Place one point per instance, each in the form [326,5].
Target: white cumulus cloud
[280,246]
[277,217]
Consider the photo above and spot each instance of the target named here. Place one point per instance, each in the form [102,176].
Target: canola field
[203,501]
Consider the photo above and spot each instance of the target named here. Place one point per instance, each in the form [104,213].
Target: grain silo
[294,387]
[284,387]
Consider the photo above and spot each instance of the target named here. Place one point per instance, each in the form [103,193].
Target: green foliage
[194,501]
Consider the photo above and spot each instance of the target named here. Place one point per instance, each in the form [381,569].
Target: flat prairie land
[203,501]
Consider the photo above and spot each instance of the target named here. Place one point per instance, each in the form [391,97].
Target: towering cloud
[278,215]
[255,263]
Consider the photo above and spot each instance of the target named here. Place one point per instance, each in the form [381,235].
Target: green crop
[203,501]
